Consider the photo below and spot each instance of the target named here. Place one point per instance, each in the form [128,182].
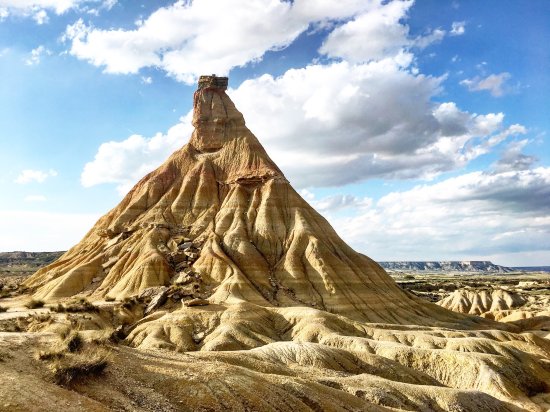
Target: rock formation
[219,212]
[237,268]
[477,302]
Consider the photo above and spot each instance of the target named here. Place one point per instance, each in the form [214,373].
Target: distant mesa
[446,266]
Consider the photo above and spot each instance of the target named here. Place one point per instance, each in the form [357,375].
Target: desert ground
[111,368]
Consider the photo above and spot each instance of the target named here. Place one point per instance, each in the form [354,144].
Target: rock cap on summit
[213,82]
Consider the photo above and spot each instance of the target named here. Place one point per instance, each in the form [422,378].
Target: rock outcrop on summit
[273,310]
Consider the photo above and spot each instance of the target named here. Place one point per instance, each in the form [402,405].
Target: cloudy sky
[419,129]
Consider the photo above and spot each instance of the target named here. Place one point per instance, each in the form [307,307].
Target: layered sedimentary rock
[238,268]
[219,208]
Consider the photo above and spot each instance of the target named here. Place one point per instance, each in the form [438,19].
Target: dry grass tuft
[73,342]
[109,336]
[75,306]
[59,308]
[70,342]
[68,369]
[81,305]
[35,304]
[129,303]
[71,358]
[48,355]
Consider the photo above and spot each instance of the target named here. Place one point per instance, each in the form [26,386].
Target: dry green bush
[108,336]
[4,356]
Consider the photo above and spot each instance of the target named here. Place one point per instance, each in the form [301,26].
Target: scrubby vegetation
[35,304]
[75,306]
[129,303]
[3,309]
[72,358]
[65,370]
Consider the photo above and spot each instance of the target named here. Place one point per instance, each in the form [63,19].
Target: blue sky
[419,129]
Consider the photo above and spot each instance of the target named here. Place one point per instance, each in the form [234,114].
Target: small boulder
[196,302]
[182,278]
[185,245]
[152,291]
[156,302]
[192,255]
[177,257]
[198,336]
[182,266]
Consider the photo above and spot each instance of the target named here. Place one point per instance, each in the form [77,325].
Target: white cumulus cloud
[125,162]
[38,9]
[458,28]
[502,216]
[329,125]
[494,83]
[36,55]
[41,17]
[187,39]
[38,176]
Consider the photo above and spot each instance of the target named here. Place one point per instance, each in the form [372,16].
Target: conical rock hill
[232,267]
[256,239]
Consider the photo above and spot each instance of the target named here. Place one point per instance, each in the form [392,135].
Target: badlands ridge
[227,291]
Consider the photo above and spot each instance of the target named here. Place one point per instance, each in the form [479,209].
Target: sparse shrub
[70,368]
[3,309]
[108,336]
[35,304]
[59,308]
[40,318]
[49,355]
[109,299]
[73,342]
[71,358]
[128,303]
[63,330]
[80,305]
[4,356]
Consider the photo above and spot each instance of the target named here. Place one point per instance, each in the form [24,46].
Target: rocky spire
[214,114]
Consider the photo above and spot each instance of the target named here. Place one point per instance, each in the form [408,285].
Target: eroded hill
[225,290]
